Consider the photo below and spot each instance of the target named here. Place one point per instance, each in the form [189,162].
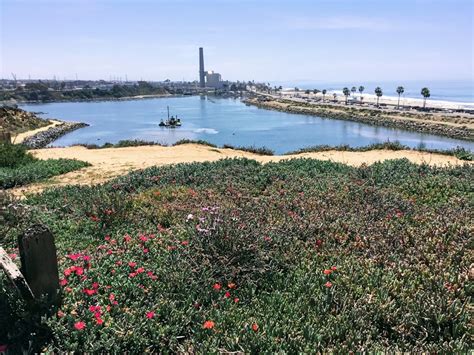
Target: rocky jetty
[42,139]
[411,122]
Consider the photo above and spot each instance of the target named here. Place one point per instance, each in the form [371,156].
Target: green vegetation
[459,152]
[17,167]
[425,92]
[42,92]
[199,141]
[300,256]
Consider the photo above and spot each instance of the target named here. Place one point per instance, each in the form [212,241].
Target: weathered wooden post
[39,263]
[5,136]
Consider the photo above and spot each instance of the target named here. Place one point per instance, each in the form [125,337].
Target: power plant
[208,79]
[202,79]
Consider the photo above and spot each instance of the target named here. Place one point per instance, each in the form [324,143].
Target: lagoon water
[222,121]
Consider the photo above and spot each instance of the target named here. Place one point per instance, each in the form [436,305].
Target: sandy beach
[109,163]
[371,98]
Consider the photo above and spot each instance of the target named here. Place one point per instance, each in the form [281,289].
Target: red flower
[63,282]
[227,294]
[209,324]
[132,274]
[150,314]
[132,264]
[79,325]
[184,242]
[236,300]
[333,268]
[328,284]
[217,286]
[95,219]
[89,292]
[140,270]
[99,320]
[255,327]
[127,238]
[79,270]
[74,257]
[86,258]
[107,237]
[95,285]
[327,272]
[145,250]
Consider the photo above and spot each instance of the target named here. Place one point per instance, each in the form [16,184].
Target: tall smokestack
[202,82]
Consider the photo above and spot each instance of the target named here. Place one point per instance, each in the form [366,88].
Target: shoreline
[108,163]
[456,127]
[42,137]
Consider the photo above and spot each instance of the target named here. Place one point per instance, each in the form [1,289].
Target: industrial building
[208,79]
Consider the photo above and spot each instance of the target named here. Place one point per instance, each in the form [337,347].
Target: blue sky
[333,40]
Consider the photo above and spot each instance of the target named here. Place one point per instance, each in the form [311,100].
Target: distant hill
[41,92]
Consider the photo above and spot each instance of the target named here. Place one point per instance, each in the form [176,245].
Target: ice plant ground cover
[296,256]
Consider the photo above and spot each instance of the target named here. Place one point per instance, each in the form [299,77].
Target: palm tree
[379,93]
[324,93]
[353,90]
[361,90]
[426,93]
[346,93]
[400,90]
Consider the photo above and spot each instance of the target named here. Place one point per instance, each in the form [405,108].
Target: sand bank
[111,162]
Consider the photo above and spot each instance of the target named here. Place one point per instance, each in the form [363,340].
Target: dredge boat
[171,122]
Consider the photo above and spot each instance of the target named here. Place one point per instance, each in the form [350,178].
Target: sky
[261,40]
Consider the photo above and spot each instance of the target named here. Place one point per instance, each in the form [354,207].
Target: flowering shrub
[297,256]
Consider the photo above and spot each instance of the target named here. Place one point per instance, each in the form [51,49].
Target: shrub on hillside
[13,155]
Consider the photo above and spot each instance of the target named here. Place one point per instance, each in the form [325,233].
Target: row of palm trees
[425,92]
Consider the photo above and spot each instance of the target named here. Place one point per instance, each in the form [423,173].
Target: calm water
[221,121]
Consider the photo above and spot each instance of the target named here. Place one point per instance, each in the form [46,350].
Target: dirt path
[19,138]
[112,162]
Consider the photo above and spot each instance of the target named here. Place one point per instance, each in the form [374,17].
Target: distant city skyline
[271,41]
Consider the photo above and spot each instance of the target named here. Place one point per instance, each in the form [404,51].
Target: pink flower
[12,256]
[333,268]
[140,270]
[127,238]
[328,284]
[79,325]
[79,270]
[143,238]
[86,258]
[107,237]
[63,282]
[217,286]
[150,314]
[184,242]
[132,264]
[99,320]
[111,297]
[95,285]
[327,272]
[145,250]
[236,300]
[227,294]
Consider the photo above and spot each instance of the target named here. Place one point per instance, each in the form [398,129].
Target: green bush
[37,170]
[13,155]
